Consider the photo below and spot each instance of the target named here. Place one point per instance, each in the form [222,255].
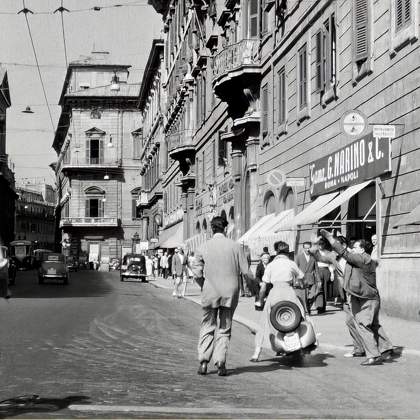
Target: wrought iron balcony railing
[233,57]
[89,221]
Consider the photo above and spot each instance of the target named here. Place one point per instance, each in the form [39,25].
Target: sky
[126,32]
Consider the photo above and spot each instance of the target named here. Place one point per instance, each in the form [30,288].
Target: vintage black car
[53,266]
[133,266]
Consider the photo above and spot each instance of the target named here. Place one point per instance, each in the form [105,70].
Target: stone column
[237,157]
[145,227]
[252,145]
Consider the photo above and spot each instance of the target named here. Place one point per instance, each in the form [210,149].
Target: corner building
[98,143]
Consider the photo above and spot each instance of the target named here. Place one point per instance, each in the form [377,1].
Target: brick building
[97,144]
[7,178]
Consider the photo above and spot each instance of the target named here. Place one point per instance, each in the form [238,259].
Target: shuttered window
[360,30]
[303,77]
[264,116]
[222,150]
[94,207]
[402,13]
[253,18]
[282,95]
[319,61]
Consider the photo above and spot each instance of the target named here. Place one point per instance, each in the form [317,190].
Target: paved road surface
[102,348]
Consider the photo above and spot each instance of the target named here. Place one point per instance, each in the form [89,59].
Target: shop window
[362,208]
[404,23]
[270,204]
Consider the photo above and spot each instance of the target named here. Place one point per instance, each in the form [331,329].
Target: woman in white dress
[280,273]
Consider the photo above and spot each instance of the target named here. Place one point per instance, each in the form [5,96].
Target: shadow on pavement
[17,406]
[285,363]
[397,352]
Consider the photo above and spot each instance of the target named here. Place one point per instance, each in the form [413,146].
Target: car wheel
[285,316]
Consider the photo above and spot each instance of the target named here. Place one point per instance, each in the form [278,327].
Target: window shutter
[87,208]
[133,207]
[88,151]
[319,85]
[282,96]
[101,151]
[100,208]
[264,109]
[407,11]
[361,30]
[328,54]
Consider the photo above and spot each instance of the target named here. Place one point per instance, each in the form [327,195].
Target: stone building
[98,148]
[153,155]
[35,220]
[7,178]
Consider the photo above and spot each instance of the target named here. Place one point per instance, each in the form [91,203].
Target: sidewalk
[330,327]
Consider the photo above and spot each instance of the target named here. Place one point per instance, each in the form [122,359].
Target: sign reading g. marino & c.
[363,159]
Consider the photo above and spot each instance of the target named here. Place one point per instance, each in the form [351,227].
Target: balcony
[180,144]
[91,164]
[236,67]
[88,222]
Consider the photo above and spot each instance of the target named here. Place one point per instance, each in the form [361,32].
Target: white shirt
[281,270]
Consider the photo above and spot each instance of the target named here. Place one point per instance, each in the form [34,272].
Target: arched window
[270,203]
[288,200]
[223,214]
[232,214]
[198,228]
[205,225]
[94,202]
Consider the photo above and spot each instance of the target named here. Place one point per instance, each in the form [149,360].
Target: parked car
[6,271]
[53,266]
[72,263]
[38,255]
[133,266]
[22,254]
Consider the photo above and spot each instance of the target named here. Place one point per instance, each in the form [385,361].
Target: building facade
[153,154]
[35,219]
[7,178]
[97,144]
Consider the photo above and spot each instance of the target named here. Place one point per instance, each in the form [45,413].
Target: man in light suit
[178,272]
[217,268]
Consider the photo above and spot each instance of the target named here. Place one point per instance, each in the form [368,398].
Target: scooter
[295,332]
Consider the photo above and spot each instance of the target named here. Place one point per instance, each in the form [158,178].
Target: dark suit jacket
[309,269]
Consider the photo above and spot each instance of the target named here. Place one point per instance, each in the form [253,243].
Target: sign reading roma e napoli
[363,159]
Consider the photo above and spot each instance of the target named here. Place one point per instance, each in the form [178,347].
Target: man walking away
[217,268]
[177,272]
[360,284]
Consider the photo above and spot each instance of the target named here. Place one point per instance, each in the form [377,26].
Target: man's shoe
[372,361]
[355,354]
[221,369]
[388,354]
[202,370]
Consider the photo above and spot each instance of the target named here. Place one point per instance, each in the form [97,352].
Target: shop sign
[361,160]
[143,245]
[384,131]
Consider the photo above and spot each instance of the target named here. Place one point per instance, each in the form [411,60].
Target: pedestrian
[326,275]
[217,266]
[306,289]
[281,273]
[259,273]
[177,272]
[170,256]
[155,265]
[149,266]
[164,265]
[360,284]
[374,252]
[243,280]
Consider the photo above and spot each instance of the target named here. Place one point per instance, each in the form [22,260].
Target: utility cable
[25,11]
[62,10]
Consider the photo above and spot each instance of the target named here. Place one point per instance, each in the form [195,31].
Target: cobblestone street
[101,348]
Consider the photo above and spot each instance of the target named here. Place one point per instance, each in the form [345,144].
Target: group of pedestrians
[220,263]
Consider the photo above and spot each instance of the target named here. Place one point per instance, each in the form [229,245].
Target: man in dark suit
[305,288]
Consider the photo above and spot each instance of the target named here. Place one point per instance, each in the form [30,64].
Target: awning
[256,227]
[278,222]
[172,237]
[412,218]
[192,243]
[325,204]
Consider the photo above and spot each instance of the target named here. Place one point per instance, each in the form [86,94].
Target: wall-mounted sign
[276,178]
[364,159]
[353,123]
[384,131]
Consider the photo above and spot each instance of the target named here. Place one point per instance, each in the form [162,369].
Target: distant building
[35,219]
[7,178]
[98,146]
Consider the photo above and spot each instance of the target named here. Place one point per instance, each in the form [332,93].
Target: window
[137,143]
[253,18]
[326,60]
[94,207]
[264,105]
[203,170]
[404,23]
[362,43]
[402,14]
[302,78]
[270,204]
[95,151]
[223,157]
[282,95]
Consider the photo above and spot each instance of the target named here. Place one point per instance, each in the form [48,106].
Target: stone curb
[253,327]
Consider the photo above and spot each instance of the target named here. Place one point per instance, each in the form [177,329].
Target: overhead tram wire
[25,11]
[62,9]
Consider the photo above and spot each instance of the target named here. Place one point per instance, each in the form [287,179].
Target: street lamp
[135,238]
